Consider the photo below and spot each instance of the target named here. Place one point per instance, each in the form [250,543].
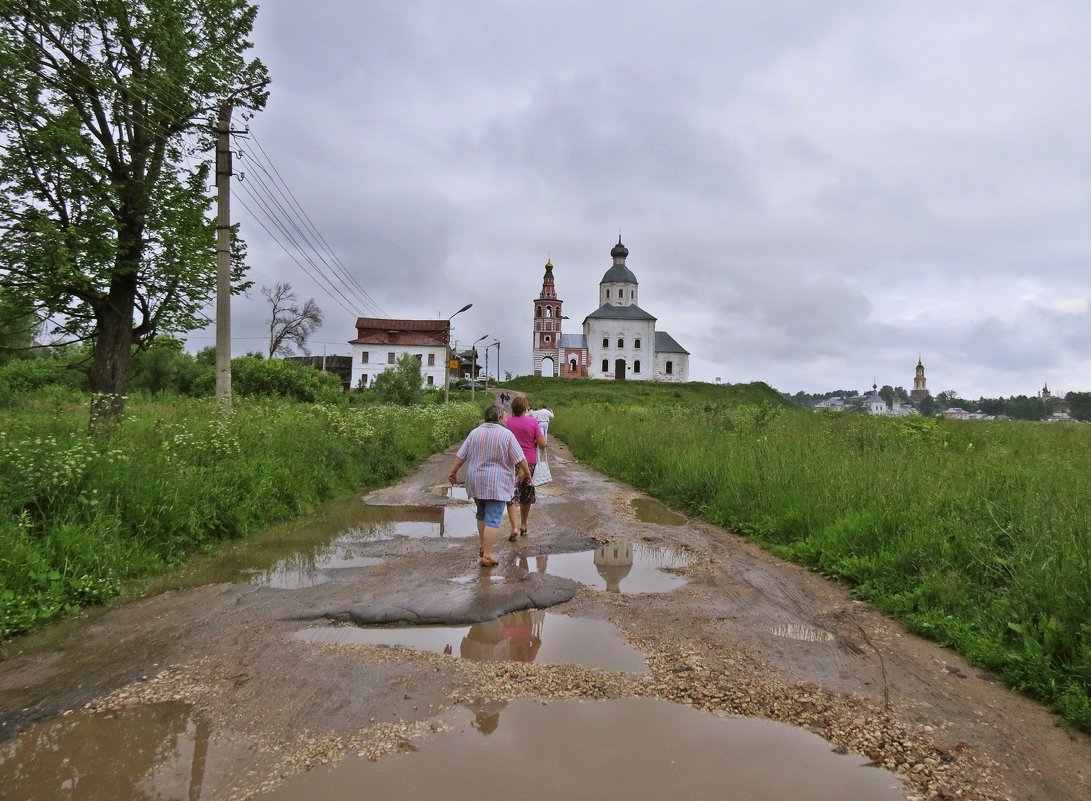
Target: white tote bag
[541,472]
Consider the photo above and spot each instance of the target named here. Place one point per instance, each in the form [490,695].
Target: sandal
[522,532]
[513,536]
[488,562]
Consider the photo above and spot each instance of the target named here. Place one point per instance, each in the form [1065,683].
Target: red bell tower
[547,327]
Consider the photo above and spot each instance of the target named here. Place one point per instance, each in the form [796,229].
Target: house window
[431,363]
[363,357]
[620,343]
[605,365]
[363,381]
[669,369]
[430,381]
[605,342]
[636,366]
[419,357]
[636,344]
[390,358]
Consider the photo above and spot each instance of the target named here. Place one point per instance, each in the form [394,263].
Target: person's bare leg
[488,537]
[524,515]
[514,520]
[480,537]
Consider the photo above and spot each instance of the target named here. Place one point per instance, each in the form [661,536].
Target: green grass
[973,533]
[81,517]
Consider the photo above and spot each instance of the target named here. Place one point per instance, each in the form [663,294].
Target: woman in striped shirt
[493,458]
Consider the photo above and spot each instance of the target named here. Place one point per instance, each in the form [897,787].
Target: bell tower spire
[547,326]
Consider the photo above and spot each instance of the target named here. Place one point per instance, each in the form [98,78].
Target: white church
[619,340]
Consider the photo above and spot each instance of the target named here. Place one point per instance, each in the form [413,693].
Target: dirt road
[256,682]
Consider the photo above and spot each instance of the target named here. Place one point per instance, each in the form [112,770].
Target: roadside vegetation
[82,516]
[975,534]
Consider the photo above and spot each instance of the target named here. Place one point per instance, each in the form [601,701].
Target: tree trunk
[109,374]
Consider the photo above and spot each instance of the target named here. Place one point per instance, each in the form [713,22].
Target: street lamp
[497,343]
[447,363]
[473,365]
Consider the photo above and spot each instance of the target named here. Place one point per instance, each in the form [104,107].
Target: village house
[380,342]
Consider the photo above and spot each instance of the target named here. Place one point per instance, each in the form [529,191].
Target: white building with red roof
[380,342]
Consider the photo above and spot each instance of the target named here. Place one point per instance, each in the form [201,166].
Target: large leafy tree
[105,149]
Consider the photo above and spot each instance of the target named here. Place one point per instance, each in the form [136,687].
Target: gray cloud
[811,194]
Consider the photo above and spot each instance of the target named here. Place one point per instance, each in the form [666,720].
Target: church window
[571,365]
[636,366]
[607,293]
[605,365]
[605,342]
[548,338]
[620,342]
[636,344]
[549,311]
[632,294]
[669,368]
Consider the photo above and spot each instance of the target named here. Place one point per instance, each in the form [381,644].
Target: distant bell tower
[547,327]
[920,387]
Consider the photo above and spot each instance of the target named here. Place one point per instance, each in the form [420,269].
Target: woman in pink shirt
[529,436]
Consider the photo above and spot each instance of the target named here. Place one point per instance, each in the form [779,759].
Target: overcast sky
[812,194]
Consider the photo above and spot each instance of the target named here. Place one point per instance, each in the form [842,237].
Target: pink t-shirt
[526,430]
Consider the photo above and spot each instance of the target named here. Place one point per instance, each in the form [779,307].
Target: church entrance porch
[619,370]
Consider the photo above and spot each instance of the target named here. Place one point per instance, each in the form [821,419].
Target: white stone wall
[628,331]
[679,367]
[378,361]
[619,294]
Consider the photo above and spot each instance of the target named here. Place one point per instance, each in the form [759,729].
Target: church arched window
[636,344]
[549,311]
[605,342]
[572,365]
[607,293]
[669,368]
[620,342]
[548,339]
[632,294]
[636,366]
[605,365]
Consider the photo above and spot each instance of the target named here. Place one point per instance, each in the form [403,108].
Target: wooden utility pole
[223,257]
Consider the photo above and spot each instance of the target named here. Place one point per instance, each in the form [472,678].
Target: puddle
[621,567]
[649,510]
[799,631]
[457,493]
[155,751]
[635,749]
[532,635]
[307,552]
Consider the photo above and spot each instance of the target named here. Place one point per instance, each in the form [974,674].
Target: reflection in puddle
[799,631]
[307,551]
[457,493]
[531,635]
[649,510]
[157,751]
[635,749]
[621,567]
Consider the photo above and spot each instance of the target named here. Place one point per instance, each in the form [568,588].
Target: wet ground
[619,651]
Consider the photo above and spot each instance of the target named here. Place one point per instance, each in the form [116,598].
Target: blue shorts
[492,512]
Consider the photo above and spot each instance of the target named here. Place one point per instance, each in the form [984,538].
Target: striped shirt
[491,453]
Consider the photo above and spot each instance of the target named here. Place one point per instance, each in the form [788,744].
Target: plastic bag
[542,475]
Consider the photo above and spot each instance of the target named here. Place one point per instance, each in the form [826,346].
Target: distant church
[619,340]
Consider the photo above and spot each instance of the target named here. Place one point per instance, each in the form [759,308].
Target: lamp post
[497,344]
[473,366]
[447,363]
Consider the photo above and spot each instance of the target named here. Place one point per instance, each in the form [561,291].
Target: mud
[221,698]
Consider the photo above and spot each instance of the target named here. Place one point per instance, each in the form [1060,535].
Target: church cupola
[619,286]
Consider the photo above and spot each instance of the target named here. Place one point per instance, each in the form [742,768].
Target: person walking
[530,437]
[543,416]
[494,460]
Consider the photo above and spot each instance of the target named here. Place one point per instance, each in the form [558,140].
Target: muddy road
[362,653]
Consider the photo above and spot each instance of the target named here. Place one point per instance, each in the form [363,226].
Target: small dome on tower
[619,251]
